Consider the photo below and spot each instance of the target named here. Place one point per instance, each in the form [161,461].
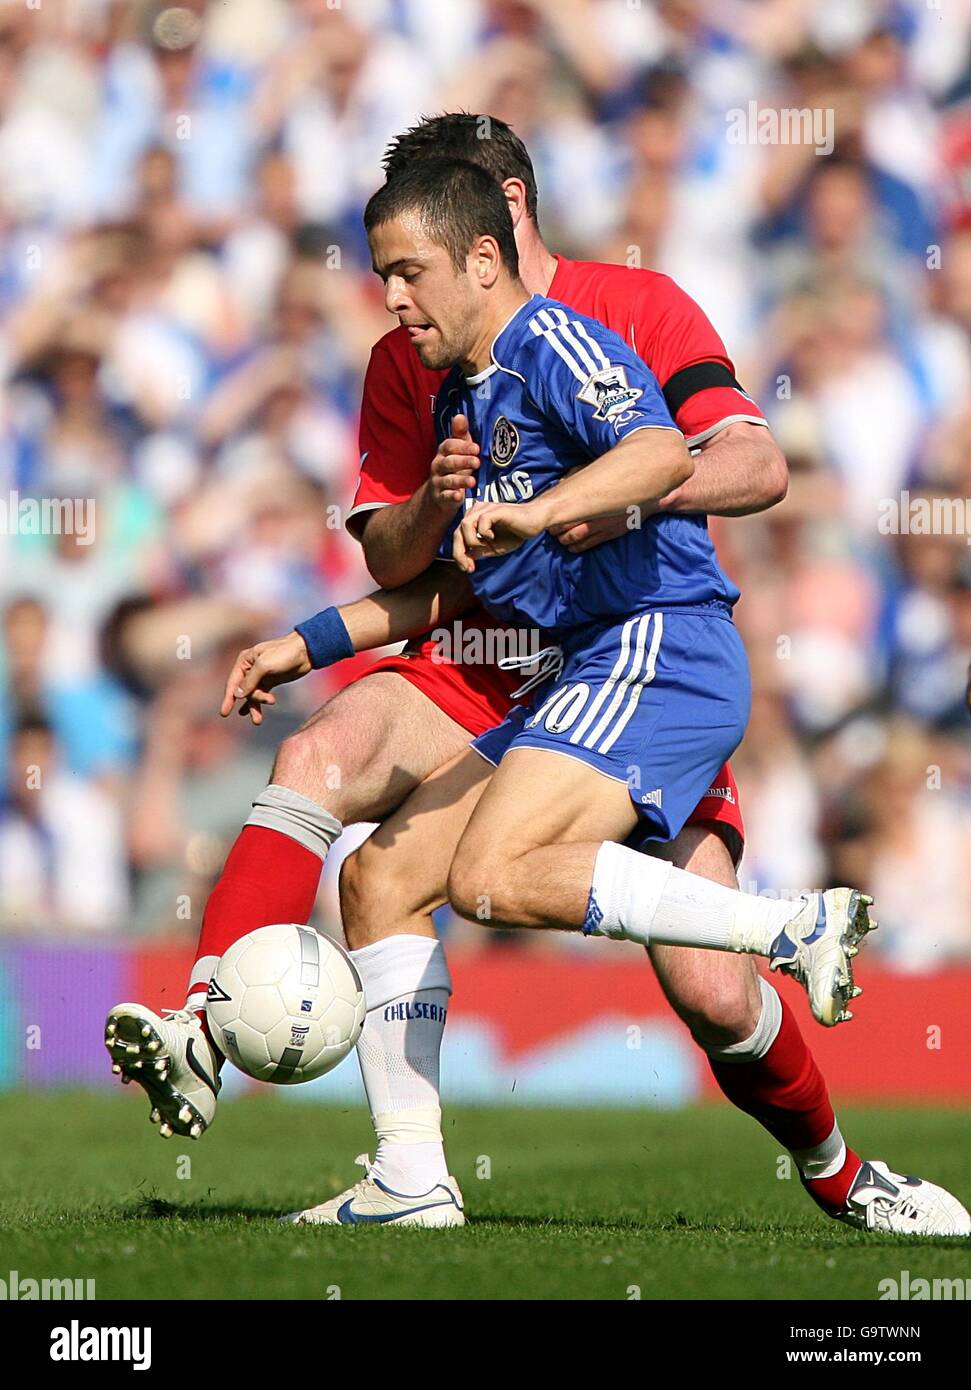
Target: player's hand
[494,528]
[453,467]
[578,536]
[258,669]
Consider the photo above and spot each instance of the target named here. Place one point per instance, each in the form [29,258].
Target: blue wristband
[326,637]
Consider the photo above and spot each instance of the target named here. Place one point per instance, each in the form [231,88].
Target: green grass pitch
[563,1204]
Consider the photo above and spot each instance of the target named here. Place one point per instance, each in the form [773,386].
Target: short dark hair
[482,140]
[457,201]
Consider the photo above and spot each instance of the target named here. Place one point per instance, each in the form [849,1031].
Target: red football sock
[267,878]
[831,1193]
[786,1093]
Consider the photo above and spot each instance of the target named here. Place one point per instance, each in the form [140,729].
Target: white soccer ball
[285,1004]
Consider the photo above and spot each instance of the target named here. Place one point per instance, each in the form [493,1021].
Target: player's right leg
[760,1059]
[389,888]
[750,1037]
[354,760]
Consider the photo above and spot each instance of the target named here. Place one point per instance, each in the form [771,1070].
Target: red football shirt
[665,327]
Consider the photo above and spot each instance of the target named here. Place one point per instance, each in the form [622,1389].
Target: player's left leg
[642,717]
[526,857]
[751,1039]
[541,851]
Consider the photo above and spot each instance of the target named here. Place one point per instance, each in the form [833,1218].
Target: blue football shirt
[561,391]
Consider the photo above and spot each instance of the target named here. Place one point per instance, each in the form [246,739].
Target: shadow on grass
[153,1208]
[158,1209]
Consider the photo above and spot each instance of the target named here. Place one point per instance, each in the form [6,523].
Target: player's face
[432,300]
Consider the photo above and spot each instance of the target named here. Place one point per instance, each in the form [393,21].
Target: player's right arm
[409,487]
[402,540]
[394,615]
[377,620]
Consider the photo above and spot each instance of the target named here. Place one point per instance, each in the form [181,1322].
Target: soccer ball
[285,1004]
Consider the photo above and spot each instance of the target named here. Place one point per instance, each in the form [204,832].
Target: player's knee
[475,889]
[298,758]
[461,888]
[722,1020]
[308,762]
[716,994]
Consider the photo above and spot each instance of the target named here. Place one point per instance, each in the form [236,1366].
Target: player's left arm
[600,400]
[739,468]
[629,480]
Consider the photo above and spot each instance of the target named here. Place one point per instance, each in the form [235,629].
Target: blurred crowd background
[187,311]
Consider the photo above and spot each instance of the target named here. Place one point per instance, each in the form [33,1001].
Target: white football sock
[406,985]
[825,1160]
[643,899]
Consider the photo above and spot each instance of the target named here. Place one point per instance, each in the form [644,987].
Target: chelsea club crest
[505,441]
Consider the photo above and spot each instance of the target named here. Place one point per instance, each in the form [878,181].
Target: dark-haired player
[413,714]
[654,689]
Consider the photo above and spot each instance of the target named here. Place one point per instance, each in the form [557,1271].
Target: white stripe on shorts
[607,687]
[635,694]
[632,678]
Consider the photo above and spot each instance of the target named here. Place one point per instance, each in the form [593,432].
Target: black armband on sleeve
[690,380]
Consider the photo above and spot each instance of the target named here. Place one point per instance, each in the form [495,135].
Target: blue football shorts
[658,701]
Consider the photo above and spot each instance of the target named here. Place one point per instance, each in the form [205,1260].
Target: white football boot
[881,1200]
[172,1060]
[369,1202]
[817,948]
